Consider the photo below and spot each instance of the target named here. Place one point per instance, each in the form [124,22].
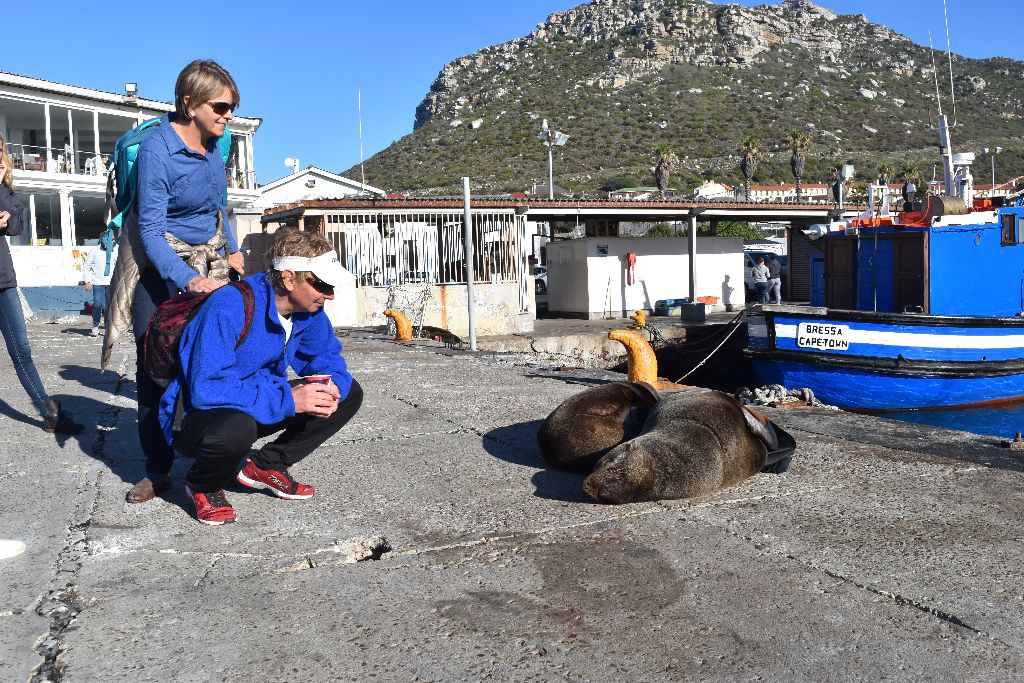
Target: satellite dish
[292,163]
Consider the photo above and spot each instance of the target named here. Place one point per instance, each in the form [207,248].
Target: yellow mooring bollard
[641,363]
[403,328]
[639,320]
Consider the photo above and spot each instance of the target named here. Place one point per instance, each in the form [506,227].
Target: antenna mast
[359,111]
[949,55]
[935,72]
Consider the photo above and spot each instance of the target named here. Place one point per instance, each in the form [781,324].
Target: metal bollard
[403,328]
[639,320]
[641,363]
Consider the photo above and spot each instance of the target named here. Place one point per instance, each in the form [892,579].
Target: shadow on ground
[517,444]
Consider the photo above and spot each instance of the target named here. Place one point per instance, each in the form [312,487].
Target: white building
[596,278]
[312,183]
[60,137]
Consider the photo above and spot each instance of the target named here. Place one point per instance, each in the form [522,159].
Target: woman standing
[182,216]
[12,320]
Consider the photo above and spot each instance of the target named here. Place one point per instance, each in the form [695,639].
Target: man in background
[96,271]
[775,279]
[760,274]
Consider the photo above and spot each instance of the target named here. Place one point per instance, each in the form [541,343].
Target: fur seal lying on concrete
[694,442]
[586,426]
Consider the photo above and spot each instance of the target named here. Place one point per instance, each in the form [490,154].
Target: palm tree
[664,161]
[750,148]
[886,172]
[799,141]
[911,176]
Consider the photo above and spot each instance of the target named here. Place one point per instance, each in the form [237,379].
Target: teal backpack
[123,178]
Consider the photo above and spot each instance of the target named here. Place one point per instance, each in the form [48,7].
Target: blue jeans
[762,292]
[12,324]
[99,303]
[151,291]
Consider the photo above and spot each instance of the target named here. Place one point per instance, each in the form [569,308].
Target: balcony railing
[56,160]
[59,160]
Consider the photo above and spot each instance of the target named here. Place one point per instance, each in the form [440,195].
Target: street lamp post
[551,138]
[998,150]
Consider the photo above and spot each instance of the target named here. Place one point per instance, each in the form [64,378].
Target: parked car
[750,260]
[540,279]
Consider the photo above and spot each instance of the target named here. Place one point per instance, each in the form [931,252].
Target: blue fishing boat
[921,309]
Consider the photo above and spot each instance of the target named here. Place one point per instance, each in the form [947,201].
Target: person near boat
[96,272]
[775,279]
[12,319]
[760,274]
[230,394]
[181,218]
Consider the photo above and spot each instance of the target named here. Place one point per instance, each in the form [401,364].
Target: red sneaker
[279,482]
[212,508]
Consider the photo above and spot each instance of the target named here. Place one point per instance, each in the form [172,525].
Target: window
[89,223]
[49,229]
[45,209]
[1009,231]
[1020,229]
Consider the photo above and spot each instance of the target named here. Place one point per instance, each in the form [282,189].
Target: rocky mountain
[622,77]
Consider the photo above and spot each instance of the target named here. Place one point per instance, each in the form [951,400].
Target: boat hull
[882,361]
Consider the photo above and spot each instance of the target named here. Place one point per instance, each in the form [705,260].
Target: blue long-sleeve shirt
[254,377]
[180,192]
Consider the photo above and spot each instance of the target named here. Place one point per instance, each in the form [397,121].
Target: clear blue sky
[299,63]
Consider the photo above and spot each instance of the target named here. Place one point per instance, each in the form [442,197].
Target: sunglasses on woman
[319,285]
[222,108]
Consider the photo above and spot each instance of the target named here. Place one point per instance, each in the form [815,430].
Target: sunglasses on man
[319,285]
[222,108]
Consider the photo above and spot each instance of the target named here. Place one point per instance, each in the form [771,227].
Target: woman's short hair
[292,242]
[200,81]
[8,176]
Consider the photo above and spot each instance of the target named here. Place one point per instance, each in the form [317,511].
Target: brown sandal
[146,490]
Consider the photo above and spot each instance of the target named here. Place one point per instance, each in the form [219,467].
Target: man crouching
[233,396]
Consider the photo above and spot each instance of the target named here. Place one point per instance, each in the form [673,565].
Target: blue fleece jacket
[180,192]
[254,377]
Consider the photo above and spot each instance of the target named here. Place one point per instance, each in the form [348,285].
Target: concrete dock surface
[887,551]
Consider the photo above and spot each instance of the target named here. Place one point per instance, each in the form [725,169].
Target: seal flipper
[778,460]
[762,428]
[779,443]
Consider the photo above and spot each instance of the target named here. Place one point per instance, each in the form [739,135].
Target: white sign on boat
[823,336]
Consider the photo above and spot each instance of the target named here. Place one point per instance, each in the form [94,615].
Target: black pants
[219,438]
[151,291]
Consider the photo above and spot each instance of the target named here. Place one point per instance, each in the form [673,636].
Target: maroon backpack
[160,346]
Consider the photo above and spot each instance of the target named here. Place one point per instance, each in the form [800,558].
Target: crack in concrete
[896,598]
[402,437]
[60,604]
[209,568]
[652,509]
[904,601]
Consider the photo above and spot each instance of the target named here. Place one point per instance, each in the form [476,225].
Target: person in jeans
[775,279]
[760,274]
[12,319]
[180,203]
[229,397]
[96,271]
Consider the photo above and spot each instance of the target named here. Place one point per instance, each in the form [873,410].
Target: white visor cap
[325,266]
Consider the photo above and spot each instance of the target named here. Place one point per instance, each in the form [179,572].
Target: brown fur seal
[693,443]
[586,426]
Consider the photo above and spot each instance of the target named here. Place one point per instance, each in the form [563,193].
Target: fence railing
[385,248]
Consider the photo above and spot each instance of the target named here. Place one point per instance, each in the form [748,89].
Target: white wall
[581,281]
